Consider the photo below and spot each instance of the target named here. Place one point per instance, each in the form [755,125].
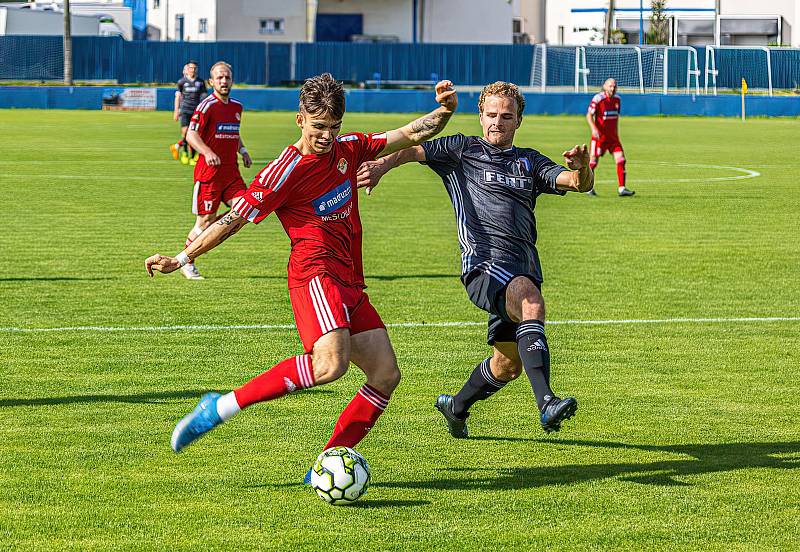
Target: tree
[67,45]
[659,24]
[609,22]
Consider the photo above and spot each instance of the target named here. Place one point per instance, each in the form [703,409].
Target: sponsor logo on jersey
[510,180]
[339,215]
[524,165]
[227,130]
[342,166]
[258,196]
[334,199]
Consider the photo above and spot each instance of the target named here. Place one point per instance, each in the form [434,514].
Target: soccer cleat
[173,149]
[455,425]
[190,272]
[193,161]
[625,192]
[199,421]
[591,193]
[556,411]
[185,158]
[307,477]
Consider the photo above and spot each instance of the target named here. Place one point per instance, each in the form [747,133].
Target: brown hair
[322,95]
[504,89]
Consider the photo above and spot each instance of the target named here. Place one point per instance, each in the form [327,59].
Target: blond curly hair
[503,89]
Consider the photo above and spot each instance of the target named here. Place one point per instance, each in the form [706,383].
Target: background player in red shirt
[214,133]
[603,117]
[312,188]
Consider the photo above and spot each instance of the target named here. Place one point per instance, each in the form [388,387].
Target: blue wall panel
[462,63]
[279,63]
[417,101]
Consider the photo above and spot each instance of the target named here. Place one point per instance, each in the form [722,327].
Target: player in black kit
[493,186]
[191,91]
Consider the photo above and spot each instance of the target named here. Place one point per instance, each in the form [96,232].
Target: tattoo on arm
[428,126]
[226,219]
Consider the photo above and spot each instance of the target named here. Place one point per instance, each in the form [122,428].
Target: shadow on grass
[365,504]
[164,396]
[703,459]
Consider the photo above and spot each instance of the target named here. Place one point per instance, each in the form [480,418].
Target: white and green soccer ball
[340,475]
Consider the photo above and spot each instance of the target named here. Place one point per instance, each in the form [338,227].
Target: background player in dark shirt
[493,186]
[191,91]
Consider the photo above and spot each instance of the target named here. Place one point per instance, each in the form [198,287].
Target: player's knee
[387,379]
[328,369]
[506,369]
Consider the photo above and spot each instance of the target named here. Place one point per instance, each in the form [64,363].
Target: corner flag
[744,91]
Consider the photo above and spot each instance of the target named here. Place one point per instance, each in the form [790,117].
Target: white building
[692,22]
[96,17]
[453,21]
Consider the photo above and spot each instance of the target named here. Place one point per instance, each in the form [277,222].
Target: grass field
[688,432]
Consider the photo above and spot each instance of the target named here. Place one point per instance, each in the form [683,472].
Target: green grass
[688,433]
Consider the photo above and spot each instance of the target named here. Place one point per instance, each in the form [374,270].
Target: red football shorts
[323,305]
[224,188]
[604,144]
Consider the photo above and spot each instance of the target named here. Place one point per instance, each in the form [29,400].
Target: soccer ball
[340,475]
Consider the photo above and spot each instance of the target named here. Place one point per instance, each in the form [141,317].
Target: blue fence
[405,101]
[106,58]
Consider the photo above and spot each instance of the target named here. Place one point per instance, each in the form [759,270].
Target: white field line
[214,327]
[744,173]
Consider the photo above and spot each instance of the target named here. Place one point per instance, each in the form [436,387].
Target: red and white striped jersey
[606,114]
[217,123]
[315,199]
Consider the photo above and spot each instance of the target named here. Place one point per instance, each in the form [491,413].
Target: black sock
[480,386]
[535,355]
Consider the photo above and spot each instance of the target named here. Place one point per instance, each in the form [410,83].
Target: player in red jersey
[214,133]
[603,117]
[312,188]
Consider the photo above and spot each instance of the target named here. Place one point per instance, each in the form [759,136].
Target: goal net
[25,59]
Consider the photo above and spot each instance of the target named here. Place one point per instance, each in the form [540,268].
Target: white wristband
[242,150]
[182,258]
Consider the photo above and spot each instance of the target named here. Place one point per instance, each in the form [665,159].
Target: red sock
[621,173]
[593,165]
[288,375]
[358,417]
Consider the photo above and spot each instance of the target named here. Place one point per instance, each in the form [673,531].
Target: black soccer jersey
[193,91]
[493,192]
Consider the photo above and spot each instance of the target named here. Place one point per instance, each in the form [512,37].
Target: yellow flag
[744,86]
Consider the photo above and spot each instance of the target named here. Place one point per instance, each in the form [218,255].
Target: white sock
[227,407]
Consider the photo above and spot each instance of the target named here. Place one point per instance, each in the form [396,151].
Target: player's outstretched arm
[224,228]
[427,126]
[580,177]
[370,172]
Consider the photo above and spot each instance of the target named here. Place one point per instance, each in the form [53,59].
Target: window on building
[516,26]
[156,4]
[271,26]
[202,26]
